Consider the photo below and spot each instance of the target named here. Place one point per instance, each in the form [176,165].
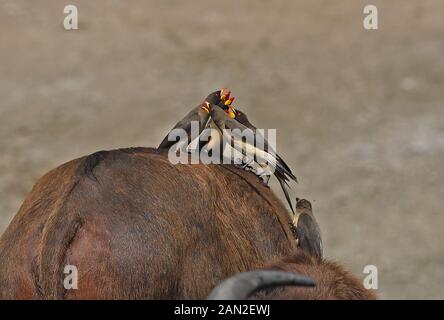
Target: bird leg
[294,230]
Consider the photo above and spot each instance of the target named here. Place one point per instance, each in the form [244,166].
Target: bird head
[226,102]
[221,98]
[224,95]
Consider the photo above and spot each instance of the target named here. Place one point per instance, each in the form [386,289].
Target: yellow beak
[224,94]
[229,101]
[231,113]
[206,107]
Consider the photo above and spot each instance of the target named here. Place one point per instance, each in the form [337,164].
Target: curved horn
[243,285]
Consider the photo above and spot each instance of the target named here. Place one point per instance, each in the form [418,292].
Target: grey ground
[360,114]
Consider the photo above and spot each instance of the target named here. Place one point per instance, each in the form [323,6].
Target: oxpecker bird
[255,150]
[307,229]
[199,114]
[282,178]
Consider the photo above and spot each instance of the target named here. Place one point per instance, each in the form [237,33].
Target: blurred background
[360,114]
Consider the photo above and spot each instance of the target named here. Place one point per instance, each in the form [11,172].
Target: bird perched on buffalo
[255,154]
[306,229]
[255,150]
[199,114]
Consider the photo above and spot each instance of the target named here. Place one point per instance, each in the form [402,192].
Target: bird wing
[245,140]
[257,136]
[248,147]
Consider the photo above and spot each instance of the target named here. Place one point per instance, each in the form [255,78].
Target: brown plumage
[307,229]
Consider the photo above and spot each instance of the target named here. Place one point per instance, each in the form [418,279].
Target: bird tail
[285,187]
[285,168]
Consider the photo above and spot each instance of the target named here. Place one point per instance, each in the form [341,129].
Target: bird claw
[265,184]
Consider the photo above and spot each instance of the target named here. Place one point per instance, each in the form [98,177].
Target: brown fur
[138,227]
[332,281]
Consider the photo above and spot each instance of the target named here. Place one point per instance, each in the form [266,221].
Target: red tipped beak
[224,94]
[229,101]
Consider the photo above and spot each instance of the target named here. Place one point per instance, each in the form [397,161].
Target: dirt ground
[360,114]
